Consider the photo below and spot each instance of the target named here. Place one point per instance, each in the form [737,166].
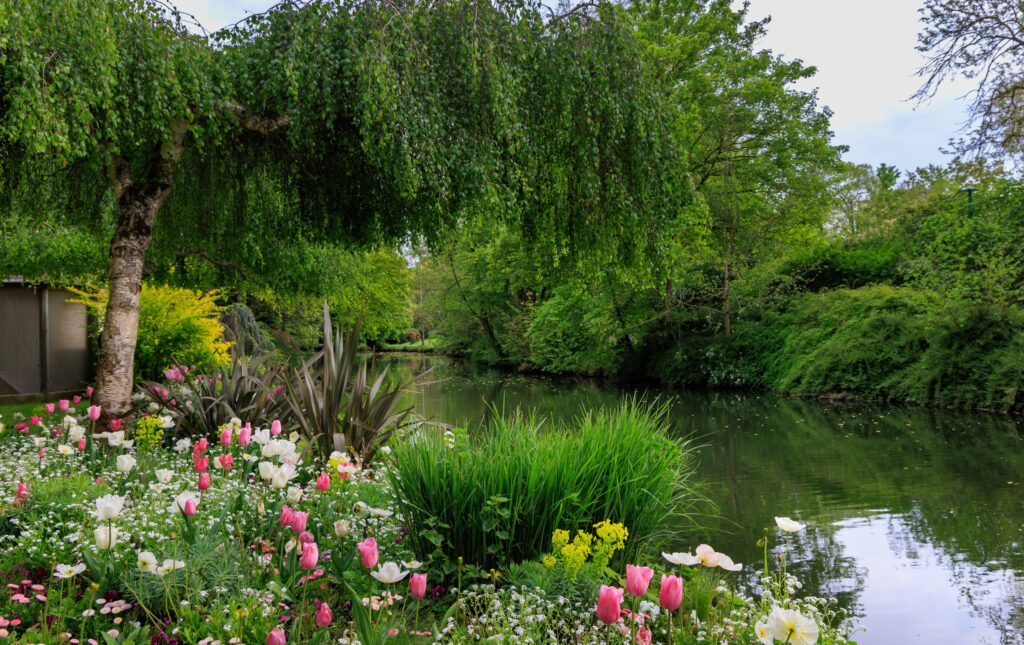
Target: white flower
[341,528]
[39,442]
[168,566]
[282,475]
[65,449]
[76,433]
[164,475]
[379,512]
[386,450]
[413,564]
[125,463]
[106,537]
[650,608]
[166,422]
[389,573]
[65,571]
[178,505]
[147,561]
[361,508]
[261,436]
[115,439]
[181,445]
[68,421]
[293,436]
[347,468]
[687,559]
[788,525]
[266,470]
[762,633]
[108,507]
[294,494]
[792,627]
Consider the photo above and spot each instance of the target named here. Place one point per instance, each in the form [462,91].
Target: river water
[915,517]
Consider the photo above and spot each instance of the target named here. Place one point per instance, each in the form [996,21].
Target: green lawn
[431,344]
[28,409]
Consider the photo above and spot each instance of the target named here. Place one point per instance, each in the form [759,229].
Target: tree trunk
[138,202]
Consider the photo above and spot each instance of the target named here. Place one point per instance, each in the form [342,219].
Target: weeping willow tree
[326,121]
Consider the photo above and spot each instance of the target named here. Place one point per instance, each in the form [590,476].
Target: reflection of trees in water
[944,473]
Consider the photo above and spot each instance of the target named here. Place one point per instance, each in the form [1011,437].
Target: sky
[866,61]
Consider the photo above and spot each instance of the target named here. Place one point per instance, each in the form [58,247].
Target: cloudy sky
[864,52]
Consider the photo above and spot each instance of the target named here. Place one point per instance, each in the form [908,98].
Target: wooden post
[44,340]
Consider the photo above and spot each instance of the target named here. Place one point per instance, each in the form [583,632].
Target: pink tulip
[299,520]
[200,447]
[275,427]
[204,481]
[76,399]
[202,464]
[22,493]
[345,474]
[63,405]
[81,443]
[190,507]
[89,391]
[323,615]
[418,585]
[286,515]
[226,461]
[115,425]
[35,421]
[50,407]
[323,482]
[310,556]
[94,412]
[42,452]
[644,636]
[306,537]
[245,435]
[609,604]
[277,390]
[368,551]
[671,592]
[276,637]
[638,579]
[225,437]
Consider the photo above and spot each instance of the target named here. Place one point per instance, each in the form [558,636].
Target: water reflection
[916,516]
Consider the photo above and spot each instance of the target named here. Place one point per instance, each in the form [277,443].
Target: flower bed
[139,535]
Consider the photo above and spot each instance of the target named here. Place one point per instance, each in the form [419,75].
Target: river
[915,517]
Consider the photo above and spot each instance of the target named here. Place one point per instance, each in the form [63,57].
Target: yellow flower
[559,539]
[550,561]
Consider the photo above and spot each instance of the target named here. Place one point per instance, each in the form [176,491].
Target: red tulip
[204,481]
[310,556]
[226,461]
[115,425]
[418,585]
[200,447]
[35,421]
[202,464]
[276,637]
[609,604]
[323,482]
[671,592]
[638,579]
[368,551]
[323,615]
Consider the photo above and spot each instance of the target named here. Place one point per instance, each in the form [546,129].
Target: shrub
[500,495]
[176,326]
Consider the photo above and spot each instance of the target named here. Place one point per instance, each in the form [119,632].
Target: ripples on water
[916,517]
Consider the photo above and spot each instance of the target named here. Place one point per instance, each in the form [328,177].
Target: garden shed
[44,342]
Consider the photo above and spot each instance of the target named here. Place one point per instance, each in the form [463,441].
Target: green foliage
[569,334]
[892,343]
[176,326]
[836,265]
[335,398]
[498,497]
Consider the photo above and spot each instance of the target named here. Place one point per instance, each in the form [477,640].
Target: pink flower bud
[202,464]
[50,407]
[200,447]
[204,481]
[671,592]
[286,515]
[81,443]
[275,427]
[323,615]
[368,551]
[299,520]
[89,391]
[63,405]
[115,425]
[418,585]
[305,537]
[323,482]
[609,604]
[245,436]
[94,412]
[276,637]
[638,579]
[190,507]
[225,437]
[310,556]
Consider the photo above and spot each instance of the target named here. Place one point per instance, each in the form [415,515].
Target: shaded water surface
[915,517]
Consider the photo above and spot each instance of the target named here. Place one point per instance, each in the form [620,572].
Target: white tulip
[181,445]
[115,439]
[389,573]
[261,436]
[266,470]
[294,494]
[788,525]
[69,421]
[76,433]
[166,422]
[164,475]
[106,537]
[341,528]
[125,463]
[147,562]
[108,507]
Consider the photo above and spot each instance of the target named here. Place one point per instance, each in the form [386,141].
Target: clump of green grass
[497,496]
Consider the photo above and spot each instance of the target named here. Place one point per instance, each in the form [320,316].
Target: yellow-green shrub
[176,325]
